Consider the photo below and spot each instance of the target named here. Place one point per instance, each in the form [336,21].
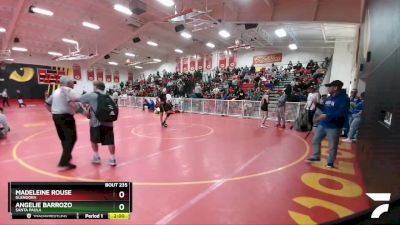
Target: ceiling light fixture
[113,63]
[69,41]
[138,67]
[90,25]
[123,9]
[157,60]
[130,54]
[280,33]
[54,53]
[224,33]
[2,29]
[19,49]
[152,43]
[210,45]
[292,46]
[178,50]
[40,11]
[167,3]
[186,35]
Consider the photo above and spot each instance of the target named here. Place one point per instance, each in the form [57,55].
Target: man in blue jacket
[331,122]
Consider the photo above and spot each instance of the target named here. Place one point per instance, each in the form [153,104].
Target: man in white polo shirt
[63,117]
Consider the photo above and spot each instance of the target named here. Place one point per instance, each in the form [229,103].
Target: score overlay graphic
[70,200]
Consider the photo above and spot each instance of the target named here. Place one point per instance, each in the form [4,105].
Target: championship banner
[90,74]
[76,71]
[108,75]
[222,60]
[266,59]
[99,72]
[130,77]
[116,76]
[200,62]
[192,63]
[185,65]
[209,62]
[178,65]
[232,60]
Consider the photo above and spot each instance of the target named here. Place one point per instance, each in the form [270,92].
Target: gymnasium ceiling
[309,24]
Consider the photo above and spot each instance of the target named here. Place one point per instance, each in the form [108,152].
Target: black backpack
[107,110]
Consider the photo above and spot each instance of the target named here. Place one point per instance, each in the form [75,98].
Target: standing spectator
[4,95]
[354,100]
[63,117]
[4,128]
[100,131]
[288,92]
[356,120]
[332,120]
[264,108]
[20,99]
[280,109]
[290,65]
[311,105]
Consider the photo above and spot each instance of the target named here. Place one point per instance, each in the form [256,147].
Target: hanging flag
[116,76]
[200,62]
[178,65]
[192,63]
[108,75]
[99,73]
[209,62]
[90,74]
[130,76]
[232,59]
[76,68]
[222,60]
[185,65]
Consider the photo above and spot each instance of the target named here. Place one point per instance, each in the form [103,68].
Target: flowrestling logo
[379,197]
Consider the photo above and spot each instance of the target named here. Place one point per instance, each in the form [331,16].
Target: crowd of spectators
[243,83]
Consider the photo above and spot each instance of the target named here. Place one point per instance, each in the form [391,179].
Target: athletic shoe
[263,126]
[67,167]
[347,140]
[96,159]
[283,127]
[312,160]
[165,124]
[112,162]
[330,165]
[278,125]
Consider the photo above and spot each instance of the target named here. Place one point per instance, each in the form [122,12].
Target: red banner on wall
[99,73]
[185,64]
[265,59]
[192,63]
[130,76]
[116,76]
[232,60]
[200,62]
[222,60]
[76,69]
[178,65]
[108,75]
[90,74]
[209,62]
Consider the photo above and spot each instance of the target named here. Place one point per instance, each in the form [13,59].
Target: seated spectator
[4,128]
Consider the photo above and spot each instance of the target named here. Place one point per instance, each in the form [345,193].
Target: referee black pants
[66,130]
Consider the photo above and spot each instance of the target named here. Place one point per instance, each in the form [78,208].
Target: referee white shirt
[59,101]
[312,100]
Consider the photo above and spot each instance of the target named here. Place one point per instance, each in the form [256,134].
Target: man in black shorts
[165,106]
[100,132]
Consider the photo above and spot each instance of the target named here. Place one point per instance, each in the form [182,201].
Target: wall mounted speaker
[361,67]
[106,56]
[368,56]
[248,26]
[179,28]
[136,39]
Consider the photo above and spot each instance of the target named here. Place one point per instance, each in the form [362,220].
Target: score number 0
[121,195]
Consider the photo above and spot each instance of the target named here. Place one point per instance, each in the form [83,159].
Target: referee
[63,117]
